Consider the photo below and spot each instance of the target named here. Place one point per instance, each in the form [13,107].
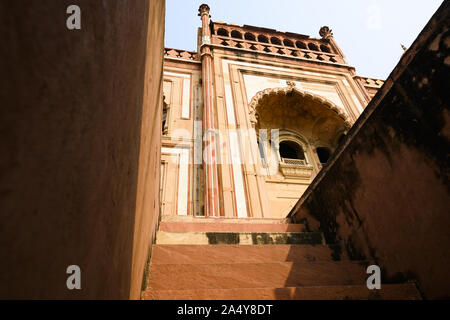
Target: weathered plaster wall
[80,146]
[386,191]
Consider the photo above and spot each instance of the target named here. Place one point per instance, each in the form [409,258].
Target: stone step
[241,238]
[200,219]
[200,254]
[224,226]
[407,291]
[255,275]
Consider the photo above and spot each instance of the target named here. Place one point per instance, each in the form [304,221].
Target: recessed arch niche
[314,118]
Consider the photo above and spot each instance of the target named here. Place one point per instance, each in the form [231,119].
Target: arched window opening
[276,41]
[236,34]
[323,154]
[250,36]
[313,47]
[325,48]
[291,150]
[300,45]
[288,43]
[222,32]
[164,125]
[263,39]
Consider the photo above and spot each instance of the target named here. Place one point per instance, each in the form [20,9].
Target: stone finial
[203,9]
[326,33]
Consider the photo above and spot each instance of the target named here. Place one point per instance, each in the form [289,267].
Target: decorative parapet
[181,54]
[370,82]
[276,42]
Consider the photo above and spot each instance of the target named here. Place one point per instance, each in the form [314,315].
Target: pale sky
[369,32]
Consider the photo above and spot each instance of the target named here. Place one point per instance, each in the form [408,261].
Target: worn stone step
[199,219]
[255,275]
[407,291]
[242,238]
[223,226]
[198,254]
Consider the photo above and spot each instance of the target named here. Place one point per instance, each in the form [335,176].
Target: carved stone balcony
[295,168]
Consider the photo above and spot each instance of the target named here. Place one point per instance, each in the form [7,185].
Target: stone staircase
[255,259]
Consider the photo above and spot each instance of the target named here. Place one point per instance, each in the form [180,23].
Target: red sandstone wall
[79,156]
[386,193]
[147,201]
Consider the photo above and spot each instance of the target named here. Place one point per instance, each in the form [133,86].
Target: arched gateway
[297,132]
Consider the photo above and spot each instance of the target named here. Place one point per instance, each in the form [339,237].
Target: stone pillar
[212,205]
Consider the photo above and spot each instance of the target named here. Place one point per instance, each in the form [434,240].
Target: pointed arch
[292,89]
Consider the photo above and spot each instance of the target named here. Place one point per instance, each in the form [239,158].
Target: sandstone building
[255,120]
[245,82]
[259,167]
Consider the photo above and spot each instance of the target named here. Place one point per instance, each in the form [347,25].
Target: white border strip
[183,178]
[241,204]
[176,74]
[185,108]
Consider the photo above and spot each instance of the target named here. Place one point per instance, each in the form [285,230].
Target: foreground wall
[386,192]
[80,146]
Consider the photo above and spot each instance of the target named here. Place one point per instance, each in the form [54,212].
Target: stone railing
[278,49]
[295,168]
[294,162]
[276,42]
[180,54]
[370,82]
